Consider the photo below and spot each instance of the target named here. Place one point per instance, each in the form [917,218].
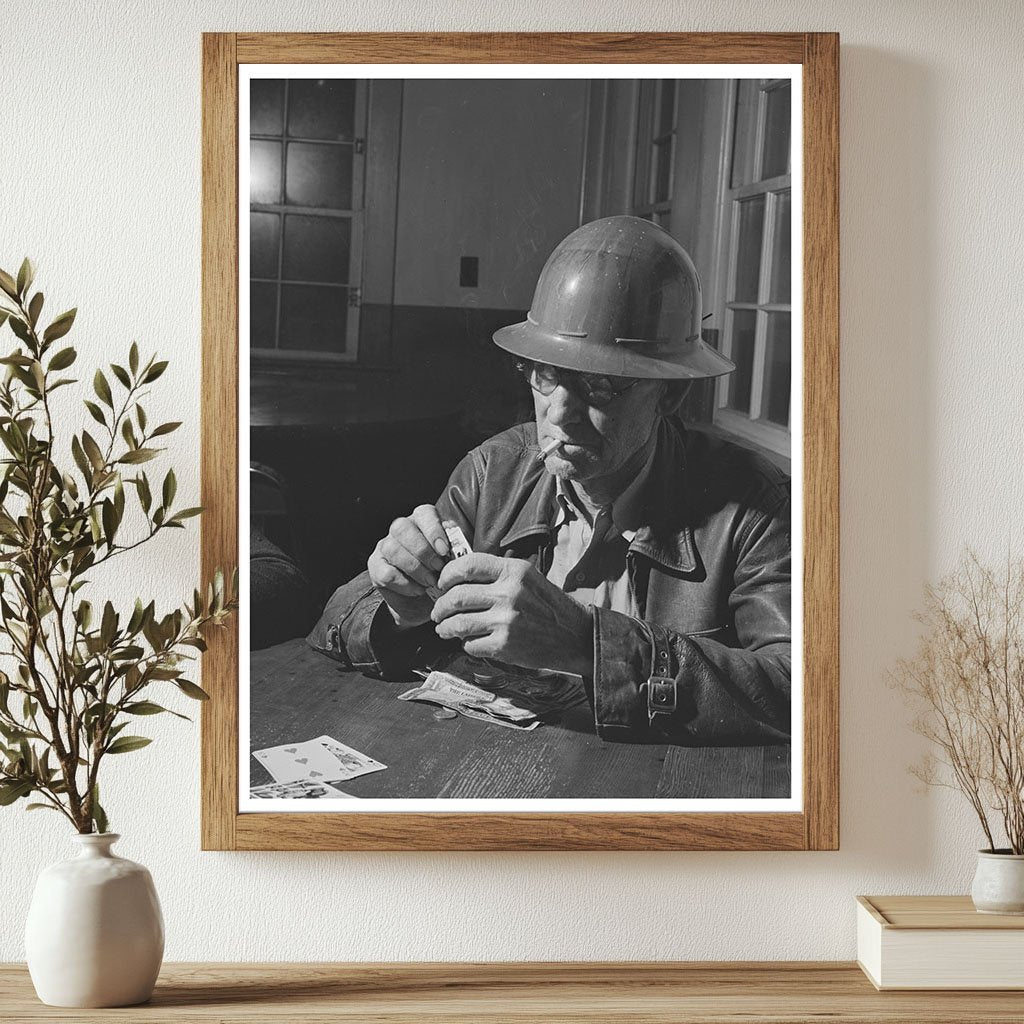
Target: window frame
[769,435]
[355,215]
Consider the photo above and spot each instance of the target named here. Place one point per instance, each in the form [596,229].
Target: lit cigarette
[547,450]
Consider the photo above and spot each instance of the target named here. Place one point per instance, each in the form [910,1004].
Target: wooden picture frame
[816,826]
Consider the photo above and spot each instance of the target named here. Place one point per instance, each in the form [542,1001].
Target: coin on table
[442,713]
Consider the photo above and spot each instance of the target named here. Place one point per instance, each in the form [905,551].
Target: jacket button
[580,577]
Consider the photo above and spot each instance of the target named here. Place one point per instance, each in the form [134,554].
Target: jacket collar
[666,537]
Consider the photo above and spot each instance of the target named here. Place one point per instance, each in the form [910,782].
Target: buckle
[661,687]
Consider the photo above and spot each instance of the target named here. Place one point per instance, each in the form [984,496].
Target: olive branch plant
[966,681]
[80,674]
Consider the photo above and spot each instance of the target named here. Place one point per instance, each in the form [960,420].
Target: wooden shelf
[630,993]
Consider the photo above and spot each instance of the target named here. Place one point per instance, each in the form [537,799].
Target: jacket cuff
[622,662]
[343,632]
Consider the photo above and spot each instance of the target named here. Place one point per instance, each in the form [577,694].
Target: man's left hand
[504,608]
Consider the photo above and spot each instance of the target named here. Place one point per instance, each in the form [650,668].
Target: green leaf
[60,326]
[170,488]
[125,744]
[34,308]
[26,274]
[140,415]
[4,314]
[133,357]
[99,816]
[92,449]
[191,690]
[144,707]
[80,458]
[145,497]
[128,433]
[102,388]
[119,499]
[108,627]
[14,790]
[139,455]
[154,371]
[8,284]
[121,374]
[63,359]
[20,328]
[109,521]
[84,614]
[185,513]
[95,412]
[165,428]
[41,807]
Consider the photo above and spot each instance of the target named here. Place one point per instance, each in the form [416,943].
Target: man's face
[601,445]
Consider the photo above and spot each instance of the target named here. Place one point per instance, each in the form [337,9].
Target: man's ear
[673,394]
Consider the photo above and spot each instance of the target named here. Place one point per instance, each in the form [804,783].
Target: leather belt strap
[661,686]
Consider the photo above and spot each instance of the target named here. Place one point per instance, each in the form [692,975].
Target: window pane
[264,229]
[317,248]
[744,131]
[262,314]
[322,108]
[748,256]
[775,395]
[319,176]
[313,317]
[779,290]
[776,133]
[265,172]
[744,323]
[663,171]
[666,106]
[266,105]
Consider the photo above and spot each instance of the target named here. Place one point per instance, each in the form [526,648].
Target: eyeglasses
[595,389]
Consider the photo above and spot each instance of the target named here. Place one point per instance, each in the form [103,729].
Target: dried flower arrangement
[967,681]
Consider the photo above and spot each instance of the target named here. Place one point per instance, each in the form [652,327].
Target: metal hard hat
[618,296]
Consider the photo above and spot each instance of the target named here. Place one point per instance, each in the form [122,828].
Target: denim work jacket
[709,570]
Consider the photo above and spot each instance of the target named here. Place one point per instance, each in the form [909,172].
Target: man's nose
[565,406]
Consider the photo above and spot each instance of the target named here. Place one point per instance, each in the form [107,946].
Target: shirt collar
[625,510]
[667,539]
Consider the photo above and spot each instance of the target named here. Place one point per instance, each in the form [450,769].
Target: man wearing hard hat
[608,541]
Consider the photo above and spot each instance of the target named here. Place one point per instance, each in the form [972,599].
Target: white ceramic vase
[999,883]
[95,933]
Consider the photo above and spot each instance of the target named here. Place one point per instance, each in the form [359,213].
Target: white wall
[99,181]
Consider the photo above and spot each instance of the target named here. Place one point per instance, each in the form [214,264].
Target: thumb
[472,568]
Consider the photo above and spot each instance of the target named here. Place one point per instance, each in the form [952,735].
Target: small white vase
[95,933]
[999,883]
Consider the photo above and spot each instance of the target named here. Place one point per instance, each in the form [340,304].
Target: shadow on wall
[889,268]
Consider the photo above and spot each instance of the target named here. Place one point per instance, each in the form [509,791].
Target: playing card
[350,762]
[315,761]
[302,790]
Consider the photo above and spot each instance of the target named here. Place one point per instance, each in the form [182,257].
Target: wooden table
[793,993]
[297,693]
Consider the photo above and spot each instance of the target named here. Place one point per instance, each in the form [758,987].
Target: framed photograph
[520,416]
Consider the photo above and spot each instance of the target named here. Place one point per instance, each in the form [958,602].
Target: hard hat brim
[687,360]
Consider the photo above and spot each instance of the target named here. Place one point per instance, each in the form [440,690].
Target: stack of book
[938,942]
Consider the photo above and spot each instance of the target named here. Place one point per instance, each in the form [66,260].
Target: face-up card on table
[302,790]
[321,760]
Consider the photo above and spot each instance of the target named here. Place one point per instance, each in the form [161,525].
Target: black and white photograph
[521,361]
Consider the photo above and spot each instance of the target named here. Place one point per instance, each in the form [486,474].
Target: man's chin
[577,465]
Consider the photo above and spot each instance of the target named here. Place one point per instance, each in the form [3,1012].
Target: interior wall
[103,188]
[489,169]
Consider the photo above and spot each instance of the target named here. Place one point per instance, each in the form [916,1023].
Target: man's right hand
[405,565]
